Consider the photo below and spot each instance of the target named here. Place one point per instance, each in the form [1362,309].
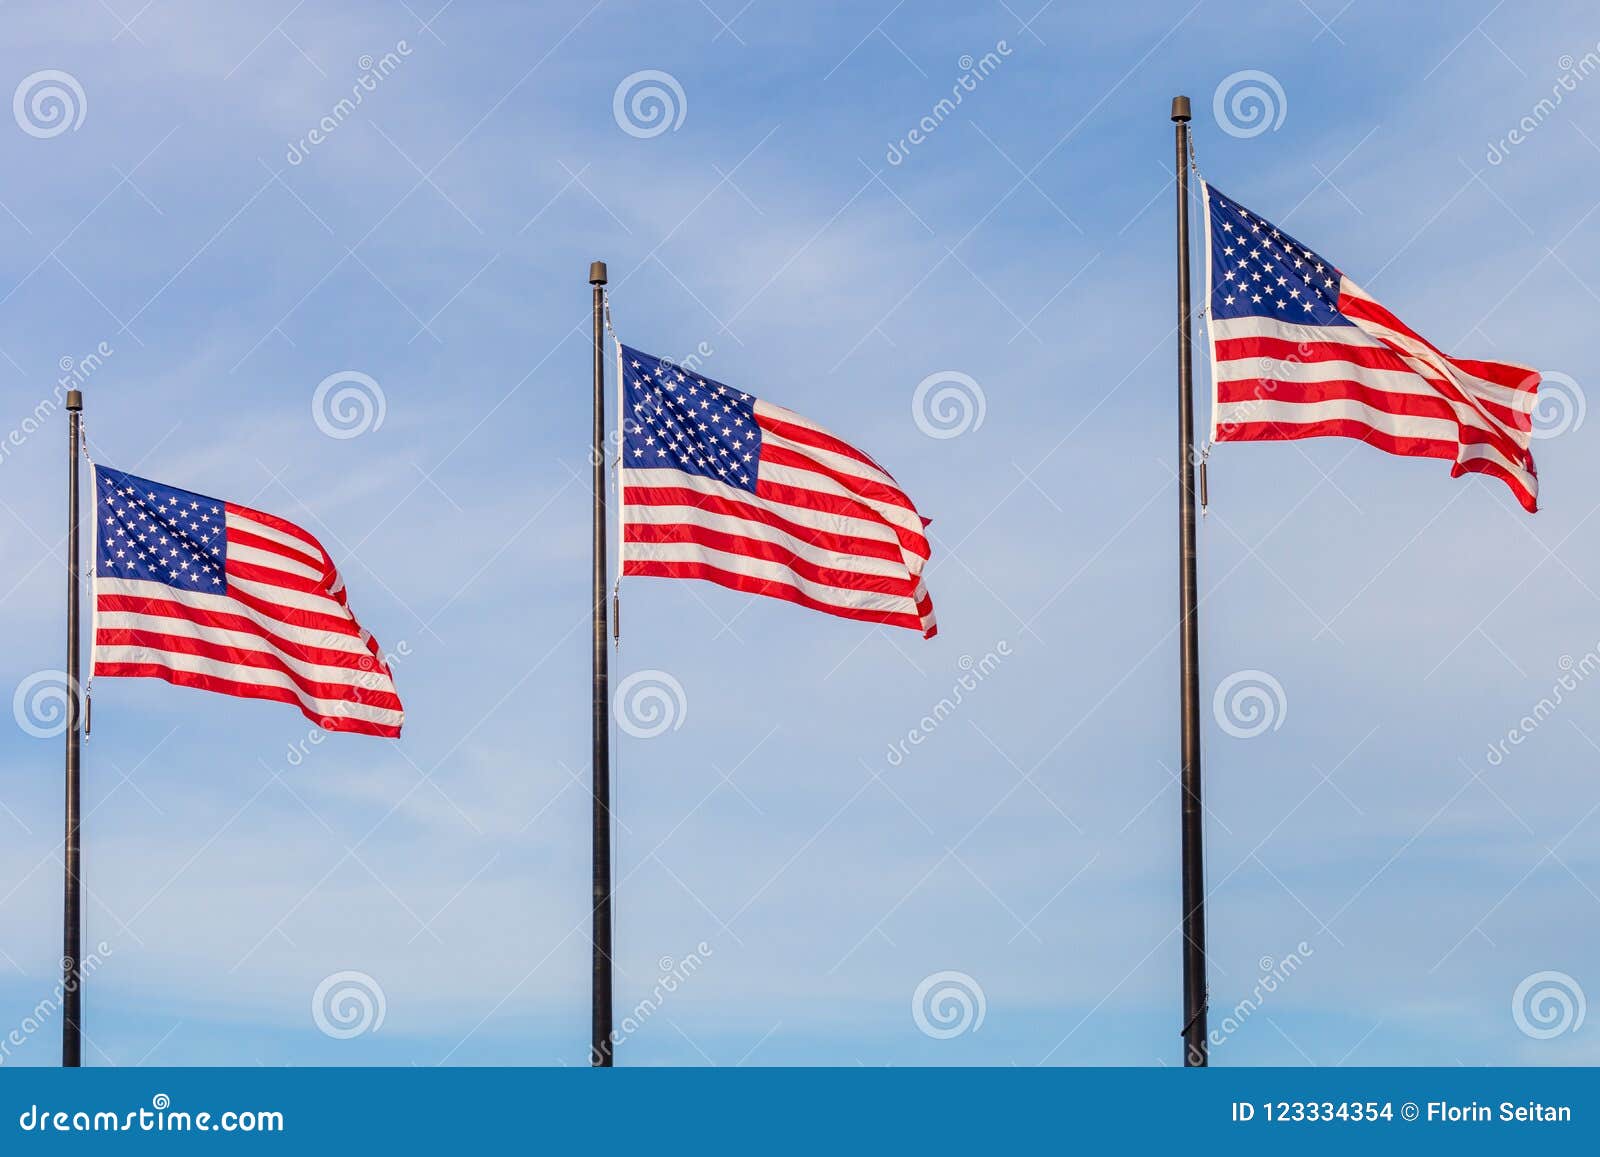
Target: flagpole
[1193,860]
[72,916]
[600,990]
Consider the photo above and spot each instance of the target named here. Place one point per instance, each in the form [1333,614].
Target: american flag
[719,485]
[205,593]
[1298,350]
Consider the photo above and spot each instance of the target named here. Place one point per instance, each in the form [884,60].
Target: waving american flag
[1298,350]
[719,485]
[209,594]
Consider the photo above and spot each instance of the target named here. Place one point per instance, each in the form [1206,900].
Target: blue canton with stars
[681,420]
[148,530]
[1257,270]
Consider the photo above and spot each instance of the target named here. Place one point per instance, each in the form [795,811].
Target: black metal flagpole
[1194,896]
[600,1002]
[72,914]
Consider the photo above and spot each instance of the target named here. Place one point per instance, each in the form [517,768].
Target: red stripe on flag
[238,536]
[282,526]
[821,440]
[244,691]
[299,616]
[844,580]
[1243,391]
[1406,447]
[1336,428]
[244,657]
[866,488]
[799,496]
[777,590]
[712,504]
[161,608]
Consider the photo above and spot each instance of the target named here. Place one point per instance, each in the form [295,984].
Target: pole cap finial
[597,273]
[74,399]
[1180,108]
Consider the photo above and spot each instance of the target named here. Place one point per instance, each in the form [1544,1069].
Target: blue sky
[437,240]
